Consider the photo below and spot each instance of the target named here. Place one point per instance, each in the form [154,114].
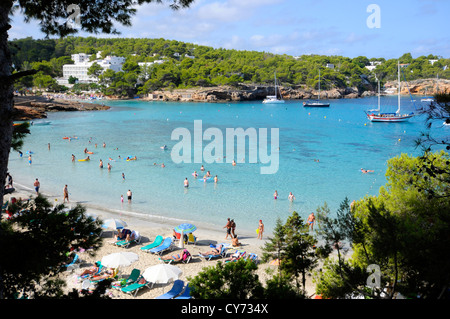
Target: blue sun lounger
[222,253]
[167,244]
[186,293]
[177,288]
[158,240]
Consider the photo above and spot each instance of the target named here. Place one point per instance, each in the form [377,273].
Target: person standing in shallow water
[260,229]
[36,186]
[66,194]
[129,194]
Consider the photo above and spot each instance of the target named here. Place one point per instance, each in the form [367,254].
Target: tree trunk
[6,95]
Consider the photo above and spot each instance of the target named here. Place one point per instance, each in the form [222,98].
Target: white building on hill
[80,68]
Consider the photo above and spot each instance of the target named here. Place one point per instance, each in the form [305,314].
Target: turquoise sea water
[340,137]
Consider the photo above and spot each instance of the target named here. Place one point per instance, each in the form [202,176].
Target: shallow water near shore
[321,151]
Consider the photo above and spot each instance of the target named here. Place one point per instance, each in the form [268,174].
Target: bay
[321,152]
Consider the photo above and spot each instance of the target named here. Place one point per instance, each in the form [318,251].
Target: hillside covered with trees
[188,65]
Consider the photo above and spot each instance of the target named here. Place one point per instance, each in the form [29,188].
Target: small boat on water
[35,123]
[316,103]
[273,99]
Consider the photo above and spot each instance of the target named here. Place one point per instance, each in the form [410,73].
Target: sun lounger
[133,288]
[166,245]
[184,257]
[221,253]
[191,239]
[158,240]
[132,278]
[98,278]
[177,288]
[236,256]
[253,257]
[74,264]
[126,243]
[97,273]
[186,293]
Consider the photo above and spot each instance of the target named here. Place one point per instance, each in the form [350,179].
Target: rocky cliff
[37,107]
[421,87]
[249,93]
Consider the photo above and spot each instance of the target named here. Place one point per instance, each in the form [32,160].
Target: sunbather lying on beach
[236,256]
[93,270]
[109,273]
[215,251]
[173,258]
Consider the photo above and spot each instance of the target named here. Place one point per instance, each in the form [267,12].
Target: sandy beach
[149,229]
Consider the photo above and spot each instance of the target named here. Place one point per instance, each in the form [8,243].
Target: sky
[350,28]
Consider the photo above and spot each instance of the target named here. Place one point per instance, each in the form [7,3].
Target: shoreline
[148,230]
[148,218]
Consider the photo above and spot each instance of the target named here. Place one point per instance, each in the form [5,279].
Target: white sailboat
[316,103]
[273,99]
[377,116]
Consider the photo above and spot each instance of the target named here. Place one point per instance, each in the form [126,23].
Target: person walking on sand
[228,227]
[311,219]
[66,194]
[129,194]
[260,229]
[36,186]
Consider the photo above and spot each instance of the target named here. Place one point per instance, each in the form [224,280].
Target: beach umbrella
[185,228]
[115,260]
[114,223]
[162,273]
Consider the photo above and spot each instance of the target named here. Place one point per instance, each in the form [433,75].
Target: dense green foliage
[188,65]
[294,249]
[35,245]
[404,231]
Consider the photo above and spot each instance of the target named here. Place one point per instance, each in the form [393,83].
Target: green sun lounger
[133,288]
[158,241]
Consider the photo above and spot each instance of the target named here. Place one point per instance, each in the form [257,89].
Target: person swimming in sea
[186,183]
[366,171]
[195,174]
[275,195]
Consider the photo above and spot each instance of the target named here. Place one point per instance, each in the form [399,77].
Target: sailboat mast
[275,79]
[318,98]
[378,95]
[398,110]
